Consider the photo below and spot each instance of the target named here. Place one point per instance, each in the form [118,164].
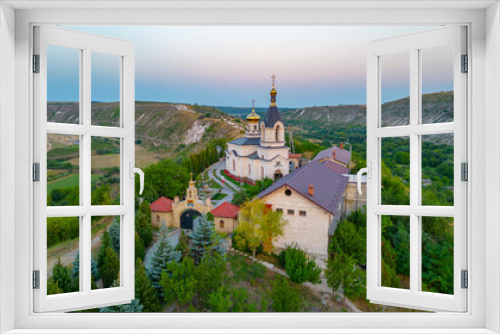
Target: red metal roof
[162,204]
[226,210]
[295,155]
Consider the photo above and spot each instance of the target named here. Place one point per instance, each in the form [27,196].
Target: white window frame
[413,44]
[484,51]
[87,44]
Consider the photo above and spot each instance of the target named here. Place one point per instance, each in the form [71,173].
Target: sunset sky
[230,66]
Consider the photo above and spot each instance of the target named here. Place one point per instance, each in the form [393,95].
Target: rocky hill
[332,122]
[436,108]
[166,129]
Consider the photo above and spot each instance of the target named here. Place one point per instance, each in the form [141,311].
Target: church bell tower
[253,123]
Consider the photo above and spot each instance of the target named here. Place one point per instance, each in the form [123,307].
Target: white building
[262,151]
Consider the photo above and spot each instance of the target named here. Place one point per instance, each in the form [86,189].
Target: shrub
[285,297]
[241,246]
[298,266]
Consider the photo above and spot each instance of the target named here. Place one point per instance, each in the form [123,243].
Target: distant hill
[436,108]
[241,111]
[167,129]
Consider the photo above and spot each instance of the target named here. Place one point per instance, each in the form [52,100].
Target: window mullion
[414,170]
[85,172]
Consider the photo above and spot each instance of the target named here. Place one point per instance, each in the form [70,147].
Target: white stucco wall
[310,232]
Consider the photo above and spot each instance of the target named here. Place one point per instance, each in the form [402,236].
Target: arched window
[158,218]
[249,169]
[262,172]
[234,165]
[221,224]
[278,133]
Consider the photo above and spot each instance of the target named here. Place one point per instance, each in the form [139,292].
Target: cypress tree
[140,251]
[144,290]
[110,268]
[114,234]
[62,276]
[105,243]
[183,245]
[75,272]
[204,239]
[143,223]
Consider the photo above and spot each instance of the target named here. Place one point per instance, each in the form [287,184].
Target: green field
[67,182]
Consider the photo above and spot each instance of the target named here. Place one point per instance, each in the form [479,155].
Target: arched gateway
[187,219]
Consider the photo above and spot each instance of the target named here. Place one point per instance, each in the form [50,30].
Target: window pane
[63,84]
[395,89]
[437,254]
[105,252]
[105,171]
[437,169]
[63,173]
[395,171]
[395,251]
[437,84]
[63,262]
[105,89]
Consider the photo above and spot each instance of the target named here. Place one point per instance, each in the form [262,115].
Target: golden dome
[253,116]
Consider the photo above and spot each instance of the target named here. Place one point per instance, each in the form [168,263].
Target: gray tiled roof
[272,116]
[246,141]
[338,168]
[329,186]
[341,155]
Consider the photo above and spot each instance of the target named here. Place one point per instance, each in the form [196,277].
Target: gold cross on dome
[191,176]
[273,78]
[253,103]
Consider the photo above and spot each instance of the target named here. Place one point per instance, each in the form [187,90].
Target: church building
[262,152]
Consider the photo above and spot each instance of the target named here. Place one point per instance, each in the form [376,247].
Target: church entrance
[278,175]
[187,219]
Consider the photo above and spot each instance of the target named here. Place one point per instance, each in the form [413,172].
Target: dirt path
[67,252]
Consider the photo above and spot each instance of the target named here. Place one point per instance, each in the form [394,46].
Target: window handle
[135,170]
[368,171]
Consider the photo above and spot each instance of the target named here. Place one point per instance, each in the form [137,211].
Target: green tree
[350,238]
[144,290]
[208,275]
[298,266]
[114,234]
[285,297]
[204,239]
[183,245]
[143,223]
[220,300]
[101,195]
[389,264]
[140,250]
[343,273]
[258,224]
[110,267]
[165,178]
[105,243]
[61,276]
[53,288]
[163,255]
[179,282]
